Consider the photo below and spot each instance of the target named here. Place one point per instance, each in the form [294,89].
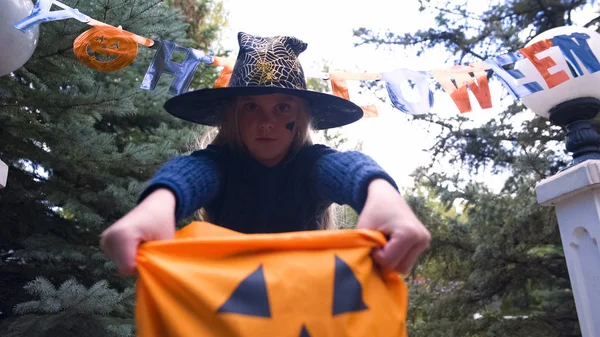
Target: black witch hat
[265,65]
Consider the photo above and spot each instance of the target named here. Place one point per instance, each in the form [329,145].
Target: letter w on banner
[456,80]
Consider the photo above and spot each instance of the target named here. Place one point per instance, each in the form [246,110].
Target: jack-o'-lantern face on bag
[105,49]
[317,283]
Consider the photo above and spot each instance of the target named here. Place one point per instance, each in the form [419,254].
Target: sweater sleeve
[344,177]
[194,179]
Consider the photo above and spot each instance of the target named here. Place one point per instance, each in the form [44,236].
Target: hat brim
[203,106]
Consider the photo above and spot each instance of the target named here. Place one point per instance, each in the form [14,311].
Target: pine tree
[497,268]
[80,144]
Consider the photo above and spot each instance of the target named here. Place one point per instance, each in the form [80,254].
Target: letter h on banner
[183,72]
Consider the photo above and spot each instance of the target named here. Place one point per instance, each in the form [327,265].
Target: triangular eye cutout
[250,297]
[347,290]
[304,331]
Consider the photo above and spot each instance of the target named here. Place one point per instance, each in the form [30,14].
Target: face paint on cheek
[290,126]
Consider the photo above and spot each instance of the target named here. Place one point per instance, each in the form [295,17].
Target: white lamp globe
[583,85]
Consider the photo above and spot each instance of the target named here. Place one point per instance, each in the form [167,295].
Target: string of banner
[108,48]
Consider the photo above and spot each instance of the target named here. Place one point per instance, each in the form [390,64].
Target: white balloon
[16,47]
[585,85]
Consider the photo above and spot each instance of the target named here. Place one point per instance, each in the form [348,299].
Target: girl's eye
[283,107]
[251,107]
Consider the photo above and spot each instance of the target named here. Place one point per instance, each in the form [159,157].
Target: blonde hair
[227,133]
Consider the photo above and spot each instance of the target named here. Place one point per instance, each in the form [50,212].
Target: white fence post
[575,194]
[3,174]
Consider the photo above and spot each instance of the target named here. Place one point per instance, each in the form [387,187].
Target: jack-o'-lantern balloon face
[232,287]
[105,49]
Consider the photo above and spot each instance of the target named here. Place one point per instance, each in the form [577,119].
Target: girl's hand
[386,211]
[152,219]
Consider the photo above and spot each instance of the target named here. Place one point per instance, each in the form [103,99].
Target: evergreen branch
[66,23]
[106,8]
[543,8]
[162,17]
[131,10]
[592,22]
[430,118]
[453,244]
[123,3]
[569,20]
[58,52]
[148,8]
[478,296]
[472,52]
[552,319]
[95,103]
[531,159]
[465,14]
[505,16]
[89,294]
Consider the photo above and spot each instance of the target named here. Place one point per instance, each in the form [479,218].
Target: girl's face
[267,125]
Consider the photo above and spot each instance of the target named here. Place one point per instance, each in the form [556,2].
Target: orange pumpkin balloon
[105,48]
[211,281]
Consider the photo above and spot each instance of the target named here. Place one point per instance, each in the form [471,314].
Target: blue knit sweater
[240,193]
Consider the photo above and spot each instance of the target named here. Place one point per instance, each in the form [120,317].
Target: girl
[262,174]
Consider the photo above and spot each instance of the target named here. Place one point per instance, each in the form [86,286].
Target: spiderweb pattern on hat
[270,62]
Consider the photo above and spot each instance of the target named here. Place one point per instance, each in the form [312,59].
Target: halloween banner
[211,281]
[533,69]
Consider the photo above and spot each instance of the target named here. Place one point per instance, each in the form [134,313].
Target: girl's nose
[267,121]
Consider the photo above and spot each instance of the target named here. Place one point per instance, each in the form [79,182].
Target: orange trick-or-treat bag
[210,281]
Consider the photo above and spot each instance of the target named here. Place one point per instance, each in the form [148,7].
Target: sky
[396,142]
[392,139]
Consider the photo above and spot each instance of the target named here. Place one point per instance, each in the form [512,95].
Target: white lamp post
[575,191]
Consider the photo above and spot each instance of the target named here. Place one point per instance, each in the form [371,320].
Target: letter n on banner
[575,46]
[462,80]
[183,72]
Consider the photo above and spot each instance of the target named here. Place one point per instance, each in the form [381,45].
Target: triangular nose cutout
[304,331]
[250,297]
[347,290]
